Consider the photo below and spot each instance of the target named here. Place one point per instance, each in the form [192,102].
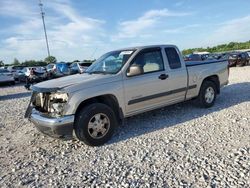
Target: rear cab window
[173,58]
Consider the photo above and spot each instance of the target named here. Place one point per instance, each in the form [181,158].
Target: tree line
[220,48]
[34,63]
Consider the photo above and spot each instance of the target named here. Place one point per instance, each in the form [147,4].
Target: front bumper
[61,127]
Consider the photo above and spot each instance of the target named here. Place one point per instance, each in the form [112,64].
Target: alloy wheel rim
[209,95]
[98,126]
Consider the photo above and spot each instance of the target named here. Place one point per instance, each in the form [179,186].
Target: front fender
[76,98]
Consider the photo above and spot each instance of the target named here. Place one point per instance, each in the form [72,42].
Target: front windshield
[110,63]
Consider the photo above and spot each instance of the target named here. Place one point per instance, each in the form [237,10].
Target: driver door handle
[163,77]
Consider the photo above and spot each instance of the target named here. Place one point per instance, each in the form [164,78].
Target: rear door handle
[163,77]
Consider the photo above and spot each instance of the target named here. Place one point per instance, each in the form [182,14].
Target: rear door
[176,69]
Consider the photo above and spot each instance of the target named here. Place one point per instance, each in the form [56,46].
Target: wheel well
[215,80]
[109,100]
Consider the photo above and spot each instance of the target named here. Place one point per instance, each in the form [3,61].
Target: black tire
[202,102]
[84,117]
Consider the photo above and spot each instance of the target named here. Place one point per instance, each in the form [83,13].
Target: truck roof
[147,46]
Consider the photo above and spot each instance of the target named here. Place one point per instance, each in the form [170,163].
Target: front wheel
[95,124]
[207,95]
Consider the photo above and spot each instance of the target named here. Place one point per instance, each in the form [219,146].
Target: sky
[85,29]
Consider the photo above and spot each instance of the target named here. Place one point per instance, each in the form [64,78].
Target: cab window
[173,58]
[150,61]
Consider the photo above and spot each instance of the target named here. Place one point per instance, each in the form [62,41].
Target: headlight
[58,107]
[57,103]
[63,97]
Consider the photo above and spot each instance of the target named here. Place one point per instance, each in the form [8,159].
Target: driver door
[144,91]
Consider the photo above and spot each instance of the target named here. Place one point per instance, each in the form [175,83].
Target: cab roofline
[147,46]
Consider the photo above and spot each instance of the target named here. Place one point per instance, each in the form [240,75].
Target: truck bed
[194,63]
[198,70]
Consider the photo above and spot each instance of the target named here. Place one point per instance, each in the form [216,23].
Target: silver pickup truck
[120,84]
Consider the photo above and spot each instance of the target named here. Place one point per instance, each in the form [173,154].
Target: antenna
[44,27]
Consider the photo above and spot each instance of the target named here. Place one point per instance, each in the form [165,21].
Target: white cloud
[16,8]
[68,12]
[78,30]
[70,34]
[133,28]
[233,30]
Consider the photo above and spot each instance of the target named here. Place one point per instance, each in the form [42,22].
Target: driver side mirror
[135,70]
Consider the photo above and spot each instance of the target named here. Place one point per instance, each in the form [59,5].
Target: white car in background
[51,67]
[26,71]
[6,77]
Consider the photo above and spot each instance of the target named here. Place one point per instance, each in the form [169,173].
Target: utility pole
[44,27]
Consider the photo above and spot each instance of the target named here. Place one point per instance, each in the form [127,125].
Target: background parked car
[232,59]
[51,67]
[248,58]
[75,68]
[26,71]
[15,70]
[12,69]
[84,66]
[238,59]
[20,76]
[244,57]
[35,75]
[193,57]
[215,56]
[62,69]
[6,76]
[79,67]
[40,69]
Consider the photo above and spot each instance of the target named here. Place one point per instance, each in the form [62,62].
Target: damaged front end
[52,104]
[48,102]
[47,111]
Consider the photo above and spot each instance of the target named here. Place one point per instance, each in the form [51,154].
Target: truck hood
[74,82]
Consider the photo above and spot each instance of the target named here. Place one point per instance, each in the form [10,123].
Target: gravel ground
[177,146]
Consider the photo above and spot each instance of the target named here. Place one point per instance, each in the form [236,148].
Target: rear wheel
[207,95]
[95,124]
